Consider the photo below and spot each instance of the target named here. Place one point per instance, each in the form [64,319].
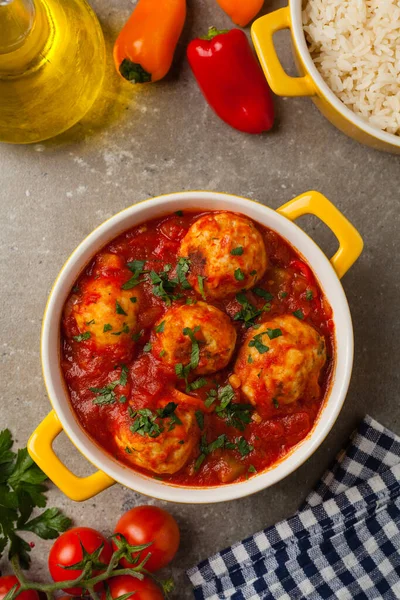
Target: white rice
[355,45]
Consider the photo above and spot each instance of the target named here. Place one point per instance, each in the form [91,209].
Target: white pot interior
[148,210]
[301,44]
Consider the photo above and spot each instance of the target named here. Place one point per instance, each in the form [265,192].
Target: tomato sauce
[86,365]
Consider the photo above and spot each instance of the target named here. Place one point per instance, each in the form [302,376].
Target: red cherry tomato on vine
[144,589]
[7,583]
[145,524]
[67,551]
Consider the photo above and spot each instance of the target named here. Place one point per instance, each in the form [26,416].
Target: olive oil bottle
[52,64]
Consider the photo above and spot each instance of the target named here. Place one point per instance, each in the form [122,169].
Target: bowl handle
[262,33]
[350,241]
[40,448]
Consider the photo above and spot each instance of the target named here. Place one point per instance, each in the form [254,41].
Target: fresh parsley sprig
[22,490]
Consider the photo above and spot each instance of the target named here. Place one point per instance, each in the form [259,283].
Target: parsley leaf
[200,418]
[252,469]
[181,271]
[160,328]
[133,299]
[146,422]
[309,295]
[163,287]
[125,329]
[200,281]
[82,336]
[107,327]
[257,343]
[267,296]
[274,333]
[106,395]
[243,447]
[195,354]
[136,266]
[147,347]
[275,402]
[239,275]
[299,314]
[210,398]
[21,490]
[249,313]
[198,383]
[119,310]
[237,251]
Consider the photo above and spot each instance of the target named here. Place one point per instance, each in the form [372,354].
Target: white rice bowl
[355,45]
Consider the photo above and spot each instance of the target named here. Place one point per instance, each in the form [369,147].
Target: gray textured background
[142,142]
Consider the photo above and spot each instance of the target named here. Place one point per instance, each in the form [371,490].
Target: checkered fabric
[344,542]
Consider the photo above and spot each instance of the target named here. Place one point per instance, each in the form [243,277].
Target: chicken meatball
[226,253]
[168,447]
[210,328]
[280,362]
[103,309]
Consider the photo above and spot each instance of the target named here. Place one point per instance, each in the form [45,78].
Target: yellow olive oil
[52,64]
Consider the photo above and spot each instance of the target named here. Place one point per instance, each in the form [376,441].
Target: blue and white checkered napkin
[343,543]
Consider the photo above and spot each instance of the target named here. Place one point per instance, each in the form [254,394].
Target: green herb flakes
[239,275]
[160,327]
[181,271]
[92,322]
[200,281]
[136,267]
[119,310]
[107,327]
[309,295]
[82,336]
[267,296]
[275,402]
[200,419]
[252,469]
[133,299]
[299,314]
[274,333]
[257,343]
[147,347]
[237,251]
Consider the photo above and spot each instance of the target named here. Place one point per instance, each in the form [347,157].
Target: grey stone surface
[140,142]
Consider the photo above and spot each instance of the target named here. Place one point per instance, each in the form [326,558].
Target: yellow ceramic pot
[310,83]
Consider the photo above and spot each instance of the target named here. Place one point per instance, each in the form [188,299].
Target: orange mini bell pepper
[145,48]
[241,11]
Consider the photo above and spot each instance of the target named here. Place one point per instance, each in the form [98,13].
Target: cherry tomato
[145,524]
[144,589]
[7,583]
[67,551]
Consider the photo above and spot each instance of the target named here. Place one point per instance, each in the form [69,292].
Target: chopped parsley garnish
[248,313]
[179,213]
[254,272]
[107,327]
[210,398]
[309,295]
[244,448]
[106,394]
[239,275]
[122,399]
[163,353]
[147,422]
[136,267]
[198,383]
[283,294]
[252,469]
[274,333]
[250,359]
[181,271]
[257,343]
[125,329]
[147,347]
[275,402]
[190,301]
[119,310]
[181,371]
[133,299]
[237,251]
[222,441]
[163,287]
[299,314]
[136,336]
[200,281]
[160,328]
[195,354]
[82,336]
[236,415]
[200,419]
[267,296]
[92,322]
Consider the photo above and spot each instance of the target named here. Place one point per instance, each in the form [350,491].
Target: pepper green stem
[134,72]
[213,32]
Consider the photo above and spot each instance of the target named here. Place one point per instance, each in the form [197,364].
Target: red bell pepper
[231,80]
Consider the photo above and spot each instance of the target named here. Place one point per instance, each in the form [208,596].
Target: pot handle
[350,241]
[262,33]
[40,448]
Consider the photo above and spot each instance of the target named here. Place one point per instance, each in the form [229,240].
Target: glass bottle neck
[17,18]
